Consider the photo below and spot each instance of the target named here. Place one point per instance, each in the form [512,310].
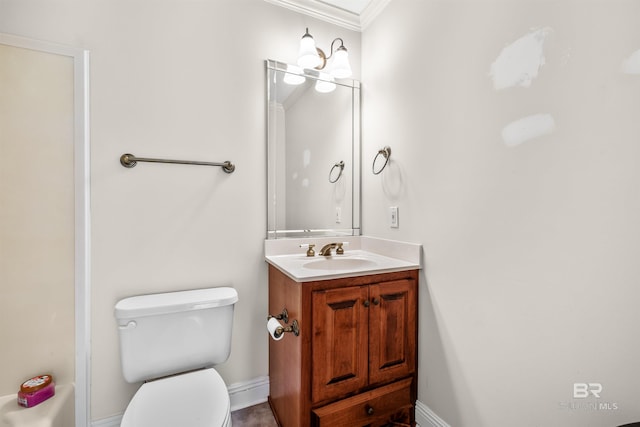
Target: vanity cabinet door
[339,341]
[392,330]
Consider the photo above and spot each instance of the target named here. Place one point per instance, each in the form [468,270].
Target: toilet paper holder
[295,328]
[284,316]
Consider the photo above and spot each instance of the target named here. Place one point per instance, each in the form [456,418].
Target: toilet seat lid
[196,399]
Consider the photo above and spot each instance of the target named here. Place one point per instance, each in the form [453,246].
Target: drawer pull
[376,301]
[366,303]
[369,409]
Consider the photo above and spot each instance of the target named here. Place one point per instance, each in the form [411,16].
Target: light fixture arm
[323,56]
[339,47]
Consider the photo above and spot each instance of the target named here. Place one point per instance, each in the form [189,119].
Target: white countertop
[362,256]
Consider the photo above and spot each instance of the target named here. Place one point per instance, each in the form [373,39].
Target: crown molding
[322,11]
[370,12]
[334,15]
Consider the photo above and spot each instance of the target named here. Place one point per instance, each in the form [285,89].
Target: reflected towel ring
[386,153]
[340,165]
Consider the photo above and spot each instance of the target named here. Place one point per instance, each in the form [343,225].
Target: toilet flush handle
[204,305]
[130,325]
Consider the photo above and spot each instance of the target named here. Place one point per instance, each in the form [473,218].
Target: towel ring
[340,165]
[386,153]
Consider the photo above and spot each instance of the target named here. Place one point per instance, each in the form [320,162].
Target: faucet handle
[309,247]
[339,247]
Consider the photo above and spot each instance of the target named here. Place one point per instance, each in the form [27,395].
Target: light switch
[393,217]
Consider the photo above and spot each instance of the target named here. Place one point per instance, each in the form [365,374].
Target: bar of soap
[36,390]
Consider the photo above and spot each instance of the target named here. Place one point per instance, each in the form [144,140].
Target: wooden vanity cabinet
[354,362]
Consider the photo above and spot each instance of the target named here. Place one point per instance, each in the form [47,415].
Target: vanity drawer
[378,407]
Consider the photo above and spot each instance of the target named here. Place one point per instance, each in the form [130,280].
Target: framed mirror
[313,153]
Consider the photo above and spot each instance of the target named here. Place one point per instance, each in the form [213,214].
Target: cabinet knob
[376,301]
[366,303]
[369,410]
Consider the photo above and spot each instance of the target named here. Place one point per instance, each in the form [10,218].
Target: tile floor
[254,416]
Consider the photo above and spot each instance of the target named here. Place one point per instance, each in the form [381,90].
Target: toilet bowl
[172,341]
[196,399]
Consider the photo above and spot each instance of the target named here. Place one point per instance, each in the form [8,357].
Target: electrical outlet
[393,217]
[338,215]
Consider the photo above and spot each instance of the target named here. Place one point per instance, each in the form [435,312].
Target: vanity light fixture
[311,56]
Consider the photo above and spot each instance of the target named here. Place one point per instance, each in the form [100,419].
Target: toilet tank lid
[173,302]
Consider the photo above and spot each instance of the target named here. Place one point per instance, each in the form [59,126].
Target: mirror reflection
[313,144]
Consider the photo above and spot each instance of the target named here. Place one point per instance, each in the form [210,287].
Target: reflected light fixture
[311,56]
[293,76]
[325,83]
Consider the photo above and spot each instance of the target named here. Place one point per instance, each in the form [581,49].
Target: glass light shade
[340,67]
[293,76]
[308,55]
[325,84]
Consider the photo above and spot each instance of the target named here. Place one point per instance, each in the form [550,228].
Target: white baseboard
[255,391]
[108,422]
[248,393]
[242,395]
[425,417]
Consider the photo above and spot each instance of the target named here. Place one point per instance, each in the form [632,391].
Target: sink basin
[334,264]
[378,257]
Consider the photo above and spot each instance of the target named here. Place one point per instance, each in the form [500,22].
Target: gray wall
[530,243]
[529,248]
[179,80]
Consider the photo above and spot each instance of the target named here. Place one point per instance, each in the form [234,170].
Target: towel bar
[129,161]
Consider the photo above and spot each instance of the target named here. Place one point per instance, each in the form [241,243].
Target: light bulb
[340,67]
[308,54]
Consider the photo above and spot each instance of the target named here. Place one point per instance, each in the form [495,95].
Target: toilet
[172,341]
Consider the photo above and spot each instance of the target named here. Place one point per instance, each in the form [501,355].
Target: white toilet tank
[169,333]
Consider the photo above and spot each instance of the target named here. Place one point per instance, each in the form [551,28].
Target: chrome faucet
[326,249]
